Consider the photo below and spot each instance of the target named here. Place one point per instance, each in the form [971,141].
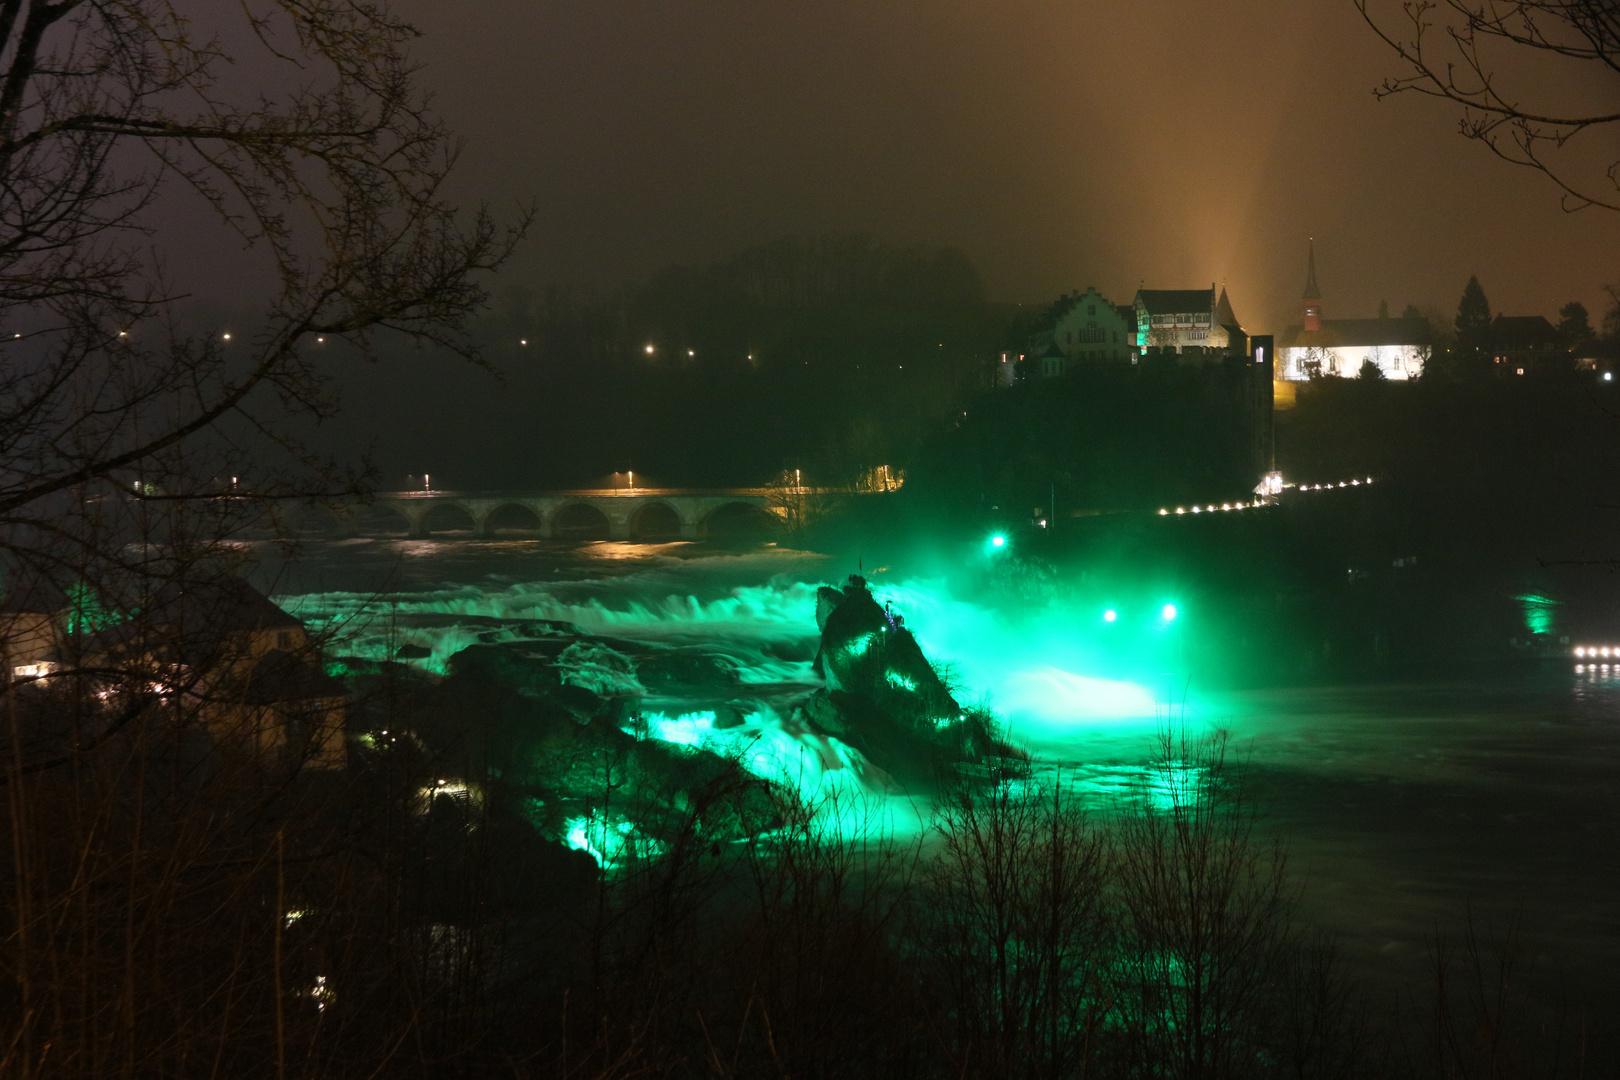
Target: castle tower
[1311,305]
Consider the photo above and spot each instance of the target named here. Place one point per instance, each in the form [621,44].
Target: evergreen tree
[1383,309]
[1473,314]
[1574,328]
[1411,312]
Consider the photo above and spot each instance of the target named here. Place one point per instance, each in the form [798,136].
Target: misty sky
[1059,143]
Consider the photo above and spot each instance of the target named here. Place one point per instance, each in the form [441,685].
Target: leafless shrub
[1017,932]
[1207,918]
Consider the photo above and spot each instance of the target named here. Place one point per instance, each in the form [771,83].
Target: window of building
[284,639]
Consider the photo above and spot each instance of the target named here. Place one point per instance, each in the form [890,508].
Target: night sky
[1059,144]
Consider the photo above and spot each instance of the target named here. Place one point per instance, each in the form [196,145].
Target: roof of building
[35,596]
[1176,301]
[197,619]
[1311,291]
[1069,305]
[225,604]
[1223,311]
[1354,332]
[1523,330]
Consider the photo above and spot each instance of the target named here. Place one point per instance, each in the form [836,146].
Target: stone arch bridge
[595,514]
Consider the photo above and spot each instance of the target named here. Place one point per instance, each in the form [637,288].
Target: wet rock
[687,672]
[600,669]
[730,715]
[581,703]
[884,698]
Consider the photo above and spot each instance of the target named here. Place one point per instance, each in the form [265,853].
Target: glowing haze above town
[1059,145]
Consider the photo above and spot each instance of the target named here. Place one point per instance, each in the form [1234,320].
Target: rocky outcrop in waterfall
[886,699]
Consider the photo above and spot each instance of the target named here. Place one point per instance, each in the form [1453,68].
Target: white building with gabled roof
[1317,346]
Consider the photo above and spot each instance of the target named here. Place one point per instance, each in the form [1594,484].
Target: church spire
[1311,305]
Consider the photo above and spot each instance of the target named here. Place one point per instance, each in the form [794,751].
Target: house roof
[228,604]
[1523,330]
[1175,301]
[36,596]
[1223,311]
[197,618]
[1359,332]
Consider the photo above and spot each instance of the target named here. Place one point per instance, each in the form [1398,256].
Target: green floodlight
[998,541]
[1168,613]
[1110,615]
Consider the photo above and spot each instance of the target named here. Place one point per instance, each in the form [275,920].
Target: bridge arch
[445,517]
[740,521]
[580,521]
[655,521]
[512,517]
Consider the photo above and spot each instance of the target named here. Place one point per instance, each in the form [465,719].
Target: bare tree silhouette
[1512,66]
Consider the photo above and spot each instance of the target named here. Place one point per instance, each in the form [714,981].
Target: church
[1317,346]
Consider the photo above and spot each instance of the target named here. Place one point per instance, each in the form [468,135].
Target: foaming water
[1034,671]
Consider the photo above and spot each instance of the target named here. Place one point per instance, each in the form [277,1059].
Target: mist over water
[1401,803]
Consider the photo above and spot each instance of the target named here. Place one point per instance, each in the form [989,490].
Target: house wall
[26,639]
[1093,330]
[1179,330]
[1395,361]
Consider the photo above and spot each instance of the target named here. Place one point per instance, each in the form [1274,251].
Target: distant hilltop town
[1195,326]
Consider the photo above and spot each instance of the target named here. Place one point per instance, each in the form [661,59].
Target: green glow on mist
[86,614]
[1538,612]
[610,839]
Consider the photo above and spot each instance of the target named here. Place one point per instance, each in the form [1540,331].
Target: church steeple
[1311,305]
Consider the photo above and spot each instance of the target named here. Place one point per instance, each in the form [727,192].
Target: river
[1403,804]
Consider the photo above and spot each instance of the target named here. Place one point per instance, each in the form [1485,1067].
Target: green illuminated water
[1400,802]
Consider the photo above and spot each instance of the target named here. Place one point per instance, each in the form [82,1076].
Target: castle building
[1317,347]
[1187,322]
[1085,328]
[1092,329]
